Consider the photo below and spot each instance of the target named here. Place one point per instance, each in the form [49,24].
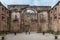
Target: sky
[30,2]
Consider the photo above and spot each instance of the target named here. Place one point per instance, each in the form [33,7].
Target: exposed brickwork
[26,21]
[55,17]
[3,18]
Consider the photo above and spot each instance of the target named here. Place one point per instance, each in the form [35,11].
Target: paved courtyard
[32,36]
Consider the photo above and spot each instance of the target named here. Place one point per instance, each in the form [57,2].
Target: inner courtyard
[21,18]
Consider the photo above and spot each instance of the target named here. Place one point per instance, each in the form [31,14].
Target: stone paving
[32,36]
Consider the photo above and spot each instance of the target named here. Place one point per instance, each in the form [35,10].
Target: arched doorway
[30,19]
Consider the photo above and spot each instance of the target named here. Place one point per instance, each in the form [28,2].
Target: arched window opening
[29,11]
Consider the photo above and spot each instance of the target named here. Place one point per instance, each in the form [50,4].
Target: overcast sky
[30,2]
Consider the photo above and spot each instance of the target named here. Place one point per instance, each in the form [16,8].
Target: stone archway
[30,18]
